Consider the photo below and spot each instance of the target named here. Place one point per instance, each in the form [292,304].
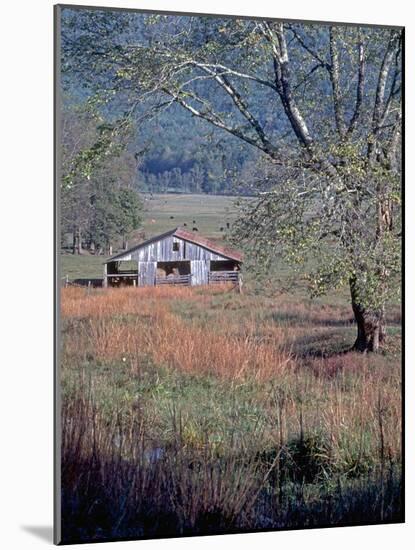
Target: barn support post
[105,278]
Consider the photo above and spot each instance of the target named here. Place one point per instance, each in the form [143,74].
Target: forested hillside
[174,152]
[185,155]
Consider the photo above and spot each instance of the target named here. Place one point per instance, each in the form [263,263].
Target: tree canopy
[99,202]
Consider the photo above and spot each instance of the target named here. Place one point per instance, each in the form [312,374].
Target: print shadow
[43,532]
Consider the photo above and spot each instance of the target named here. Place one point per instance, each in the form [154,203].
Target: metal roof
[186,236]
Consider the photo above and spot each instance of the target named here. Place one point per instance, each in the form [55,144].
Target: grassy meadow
[209,212]
[201,410]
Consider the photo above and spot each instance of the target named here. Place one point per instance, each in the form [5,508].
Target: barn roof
[206,243]
[186,236]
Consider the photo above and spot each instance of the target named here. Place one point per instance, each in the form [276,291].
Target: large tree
[322,103]
[99,202]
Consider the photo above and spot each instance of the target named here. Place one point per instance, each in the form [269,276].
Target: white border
[26,305]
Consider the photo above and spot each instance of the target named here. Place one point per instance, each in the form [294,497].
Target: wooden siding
[171,249]
[162,251]
[147,273]
[200,272]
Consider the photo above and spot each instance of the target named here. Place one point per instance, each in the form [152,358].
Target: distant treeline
[178,154]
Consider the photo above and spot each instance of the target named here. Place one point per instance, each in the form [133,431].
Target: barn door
[147,273]
[199,270]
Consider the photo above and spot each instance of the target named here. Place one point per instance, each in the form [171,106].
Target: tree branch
[241,105]
[335,84]
[313,53]
[215,119]
[378,109]
[283,82]
[359,91]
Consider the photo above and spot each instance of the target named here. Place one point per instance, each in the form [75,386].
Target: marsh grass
[200,411]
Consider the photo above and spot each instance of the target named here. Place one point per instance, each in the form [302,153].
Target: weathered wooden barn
[175,257]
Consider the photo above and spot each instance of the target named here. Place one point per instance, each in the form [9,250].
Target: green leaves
[97,198]
[327,230]
[115,213]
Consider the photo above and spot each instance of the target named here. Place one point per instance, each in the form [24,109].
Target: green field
[82,267]
[210,213]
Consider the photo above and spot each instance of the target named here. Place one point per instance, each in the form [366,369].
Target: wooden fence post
[240,283]
[105,279]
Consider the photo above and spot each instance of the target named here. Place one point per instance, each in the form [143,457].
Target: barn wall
[199,270]
[196,252]
[146,273]
[162,251]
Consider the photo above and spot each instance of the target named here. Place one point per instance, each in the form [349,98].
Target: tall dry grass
[189,411]
[152,329]
[118,482]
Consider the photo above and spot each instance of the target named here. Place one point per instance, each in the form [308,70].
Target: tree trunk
[74,241]
[79,241]
[371,326]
